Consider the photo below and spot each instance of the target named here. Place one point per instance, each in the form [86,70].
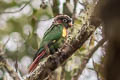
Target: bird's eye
[65,20]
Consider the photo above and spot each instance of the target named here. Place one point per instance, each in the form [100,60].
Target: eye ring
[65,20]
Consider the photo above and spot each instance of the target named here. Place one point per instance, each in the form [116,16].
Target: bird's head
[64,19]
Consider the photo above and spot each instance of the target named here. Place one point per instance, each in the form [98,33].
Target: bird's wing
[49,29]
[53,33]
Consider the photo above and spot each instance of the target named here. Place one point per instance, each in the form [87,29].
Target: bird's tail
[36,61]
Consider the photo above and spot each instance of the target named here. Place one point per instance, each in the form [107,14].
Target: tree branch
[85,60]
[97,73]
[7,12]
[8,68]
[54,61]
[4,63]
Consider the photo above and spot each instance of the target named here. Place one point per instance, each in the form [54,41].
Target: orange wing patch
[64,33]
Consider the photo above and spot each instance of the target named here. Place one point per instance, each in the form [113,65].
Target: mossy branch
[54,61]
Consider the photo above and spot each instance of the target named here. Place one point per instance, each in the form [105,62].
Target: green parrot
[53,39]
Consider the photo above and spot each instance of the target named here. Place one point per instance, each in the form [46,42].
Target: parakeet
[52,39]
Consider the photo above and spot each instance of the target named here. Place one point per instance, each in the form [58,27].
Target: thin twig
[5,43]
[90,54]
[3,47]
[8,68]
[83,4]
[46,19]
[98,78]
[7,12]
[4,63]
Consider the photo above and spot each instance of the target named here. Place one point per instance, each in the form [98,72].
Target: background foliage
[22,28]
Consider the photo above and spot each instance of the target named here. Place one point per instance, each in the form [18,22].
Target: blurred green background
[22,32]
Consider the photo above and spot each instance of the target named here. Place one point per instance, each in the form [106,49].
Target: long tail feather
[36,61]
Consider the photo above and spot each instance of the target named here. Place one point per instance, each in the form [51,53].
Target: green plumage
[52,39]
[52,34]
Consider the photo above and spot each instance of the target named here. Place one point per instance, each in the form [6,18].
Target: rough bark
[67,50]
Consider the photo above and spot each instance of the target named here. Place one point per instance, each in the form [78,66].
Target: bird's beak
[70,24]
